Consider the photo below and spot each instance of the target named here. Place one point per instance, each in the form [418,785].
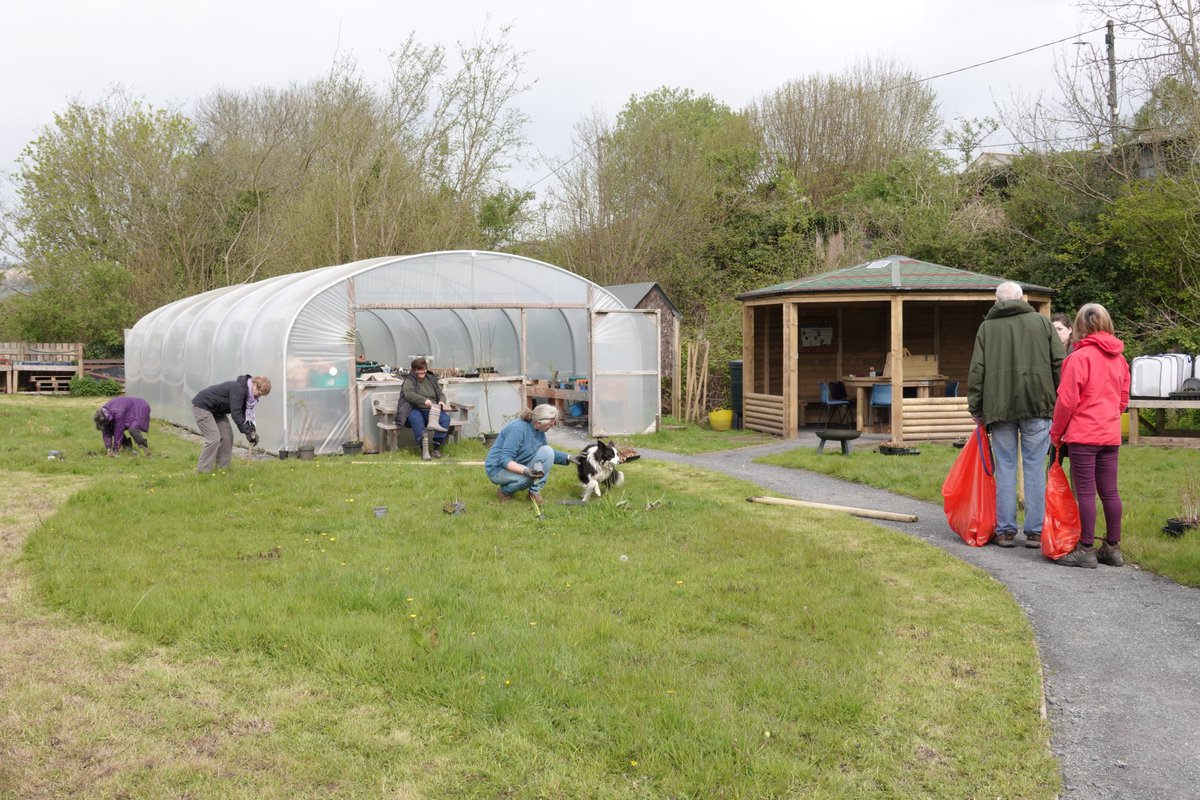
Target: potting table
[1162,435]
[561,399]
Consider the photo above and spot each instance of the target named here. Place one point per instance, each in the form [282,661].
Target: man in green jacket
[1011,389]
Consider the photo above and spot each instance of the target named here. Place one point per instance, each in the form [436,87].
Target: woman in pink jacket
[1092,395]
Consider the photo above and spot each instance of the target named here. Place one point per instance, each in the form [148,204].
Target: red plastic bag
[1060,525]
[969,491]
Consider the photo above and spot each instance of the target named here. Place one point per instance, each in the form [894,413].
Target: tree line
[122,207]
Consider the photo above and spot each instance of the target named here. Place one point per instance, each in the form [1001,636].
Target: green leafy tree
[106,184]
[76,300]
[501,215]
[644,198]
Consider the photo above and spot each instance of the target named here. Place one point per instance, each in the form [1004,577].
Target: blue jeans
[1034,442]
[416,420]
[511,482]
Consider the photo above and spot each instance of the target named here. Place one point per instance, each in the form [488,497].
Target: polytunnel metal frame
[304,331]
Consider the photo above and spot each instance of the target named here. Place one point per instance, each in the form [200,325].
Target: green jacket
[1016,365]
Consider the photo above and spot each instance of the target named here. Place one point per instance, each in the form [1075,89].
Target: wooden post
[791,370]
[676,385]
[897,410]
[687,398]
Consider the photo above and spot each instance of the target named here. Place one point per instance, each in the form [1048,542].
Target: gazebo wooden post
[747,355]
[791,370]
[897,369]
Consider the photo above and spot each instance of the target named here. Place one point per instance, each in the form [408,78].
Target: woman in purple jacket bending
[122,419]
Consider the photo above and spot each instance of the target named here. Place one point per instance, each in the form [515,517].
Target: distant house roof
[632,294]
[991,159]
[889,275]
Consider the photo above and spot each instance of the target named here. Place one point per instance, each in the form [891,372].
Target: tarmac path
[1120,647]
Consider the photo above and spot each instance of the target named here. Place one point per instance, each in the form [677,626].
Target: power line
[995,60]
[998,59]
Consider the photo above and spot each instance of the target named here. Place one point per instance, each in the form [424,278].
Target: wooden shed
[890,316]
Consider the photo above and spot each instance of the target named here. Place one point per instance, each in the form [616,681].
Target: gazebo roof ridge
[894,273]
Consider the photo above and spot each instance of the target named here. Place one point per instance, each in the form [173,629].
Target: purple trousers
[1094,470]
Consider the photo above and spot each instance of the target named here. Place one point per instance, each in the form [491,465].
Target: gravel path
[1120,648]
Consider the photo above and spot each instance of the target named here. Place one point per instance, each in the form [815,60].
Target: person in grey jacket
[1011,388]
[212,407]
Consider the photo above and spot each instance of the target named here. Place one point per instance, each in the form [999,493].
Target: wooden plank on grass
[858,512]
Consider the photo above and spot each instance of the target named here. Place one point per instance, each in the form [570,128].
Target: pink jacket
[1093,392]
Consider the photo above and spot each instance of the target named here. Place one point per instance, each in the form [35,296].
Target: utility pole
[1110,39]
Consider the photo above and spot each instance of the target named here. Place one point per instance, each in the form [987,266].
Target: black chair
[827,400]
[837,390]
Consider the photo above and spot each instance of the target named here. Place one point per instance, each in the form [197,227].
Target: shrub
[88,386]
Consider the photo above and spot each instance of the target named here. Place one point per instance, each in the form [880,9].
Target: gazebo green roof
[889,275]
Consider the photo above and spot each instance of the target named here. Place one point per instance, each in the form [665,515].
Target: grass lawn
[1150,479]
[689,439]
[258,632]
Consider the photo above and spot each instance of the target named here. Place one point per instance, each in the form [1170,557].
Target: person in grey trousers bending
[212,407]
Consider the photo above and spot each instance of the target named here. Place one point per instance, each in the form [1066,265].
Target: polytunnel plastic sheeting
[303,331]
[556,342]
[319,383]
[625,373]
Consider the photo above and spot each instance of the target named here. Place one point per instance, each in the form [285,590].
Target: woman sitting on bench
[423,407]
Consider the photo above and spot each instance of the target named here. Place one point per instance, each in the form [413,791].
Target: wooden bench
[844,436]
[384,405]
[51,384]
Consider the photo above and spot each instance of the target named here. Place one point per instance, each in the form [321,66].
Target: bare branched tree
[828,128]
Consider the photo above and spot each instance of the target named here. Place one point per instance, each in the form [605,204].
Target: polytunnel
[491,324]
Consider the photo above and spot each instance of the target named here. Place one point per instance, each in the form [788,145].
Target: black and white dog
[597,466]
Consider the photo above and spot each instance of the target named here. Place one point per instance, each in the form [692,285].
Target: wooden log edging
[931,418]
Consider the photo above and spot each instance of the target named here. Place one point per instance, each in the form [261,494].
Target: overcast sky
[583,57]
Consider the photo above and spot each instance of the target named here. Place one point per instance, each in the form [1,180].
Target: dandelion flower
[412,616]
[633,763]
[333,538]
[507,682]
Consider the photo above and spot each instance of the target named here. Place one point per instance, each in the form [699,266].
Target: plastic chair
[827,400]
[881,398]
[951,388]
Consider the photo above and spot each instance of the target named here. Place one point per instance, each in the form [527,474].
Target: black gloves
[575,458]
[530,473]
[252,437]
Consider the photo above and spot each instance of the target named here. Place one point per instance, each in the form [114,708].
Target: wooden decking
[40,367]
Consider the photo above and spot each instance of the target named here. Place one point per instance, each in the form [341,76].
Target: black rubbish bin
[735,392]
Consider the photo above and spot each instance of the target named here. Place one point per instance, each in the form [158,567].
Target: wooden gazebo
[887,316]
